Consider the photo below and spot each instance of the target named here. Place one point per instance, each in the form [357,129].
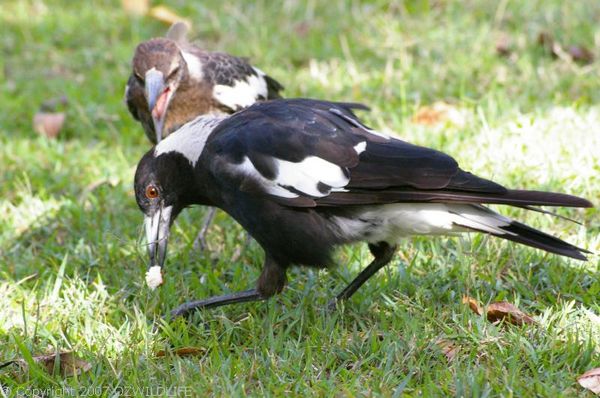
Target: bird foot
[334,304]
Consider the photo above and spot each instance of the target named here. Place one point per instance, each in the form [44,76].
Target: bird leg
[383,253]
[200,241]
[217,301]
[272,280]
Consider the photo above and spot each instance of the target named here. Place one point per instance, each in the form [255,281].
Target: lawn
[72,259]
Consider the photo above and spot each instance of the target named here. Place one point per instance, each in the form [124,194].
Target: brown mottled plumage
[173,82]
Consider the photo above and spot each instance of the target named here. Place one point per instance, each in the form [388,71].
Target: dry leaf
[438,113]
[590,380]
[136,7]
[448,348]
[503,45]
[302,29]
[48,124]
[68,364]
[500,311]
[168,16]
[506,311]
[182,352]
[545,40]
[473,304]
[581,54]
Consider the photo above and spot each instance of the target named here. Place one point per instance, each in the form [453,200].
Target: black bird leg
[383,253]
[271,281]
[217,301]
[200,241]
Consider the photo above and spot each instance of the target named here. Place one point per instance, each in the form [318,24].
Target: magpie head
[159,67]
[164,185]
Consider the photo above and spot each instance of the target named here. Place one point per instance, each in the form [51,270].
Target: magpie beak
[158,96]
[157,234]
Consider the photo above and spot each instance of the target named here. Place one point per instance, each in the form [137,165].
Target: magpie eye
[172,73]
[151,192]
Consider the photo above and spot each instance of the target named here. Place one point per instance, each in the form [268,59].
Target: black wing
[313,153]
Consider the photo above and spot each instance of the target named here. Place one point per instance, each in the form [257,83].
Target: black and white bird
[304,176]
[173,82]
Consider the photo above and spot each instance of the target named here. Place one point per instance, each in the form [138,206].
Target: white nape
[189,139]
[194,65]
[392,222]
[243,93]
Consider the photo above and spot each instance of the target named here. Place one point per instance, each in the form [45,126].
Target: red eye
[151,192]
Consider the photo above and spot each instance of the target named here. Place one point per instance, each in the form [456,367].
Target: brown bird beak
[158,95]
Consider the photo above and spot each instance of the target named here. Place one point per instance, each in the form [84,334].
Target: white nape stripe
[194,65]
[360,147]
[189,139]
[391,222]
[307,174]
[243,93]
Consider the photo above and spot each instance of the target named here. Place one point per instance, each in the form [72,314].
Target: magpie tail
[526,235]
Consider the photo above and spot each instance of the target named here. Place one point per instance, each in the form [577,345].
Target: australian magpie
[304,176]
[173,82]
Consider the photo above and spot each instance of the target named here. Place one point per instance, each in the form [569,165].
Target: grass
[72,263]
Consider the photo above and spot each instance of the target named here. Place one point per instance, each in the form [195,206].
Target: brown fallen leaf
[473,304]
[168,16]
[545,40]
[182,352]
[499,311]
[581,54]
[302,29]
[438,113]
[503,47]
[48,124]
[449,349]
[68,364]
[508,312]
[136,7]
[590,380]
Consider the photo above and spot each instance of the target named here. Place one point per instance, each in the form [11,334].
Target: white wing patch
[270,186]
[360,147]
[243,93]
[189,139]
[304,177]
[194,65]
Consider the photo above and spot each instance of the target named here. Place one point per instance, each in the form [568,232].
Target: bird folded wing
[306,152]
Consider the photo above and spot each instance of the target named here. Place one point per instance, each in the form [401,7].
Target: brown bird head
[159,66]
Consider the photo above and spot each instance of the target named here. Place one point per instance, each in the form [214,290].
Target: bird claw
[332,305]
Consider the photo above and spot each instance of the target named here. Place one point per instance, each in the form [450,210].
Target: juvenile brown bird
[173,82]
